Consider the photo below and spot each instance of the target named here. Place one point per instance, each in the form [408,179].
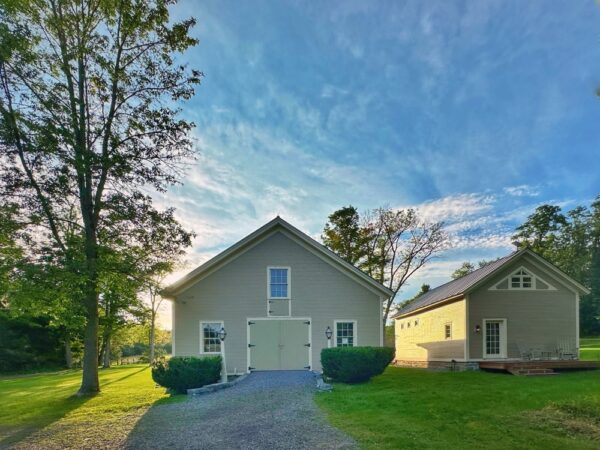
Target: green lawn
[412,408]
[589,349]
[32,406]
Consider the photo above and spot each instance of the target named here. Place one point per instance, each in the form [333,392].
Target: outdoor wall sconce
[328,333]
[222,334]
[477,328]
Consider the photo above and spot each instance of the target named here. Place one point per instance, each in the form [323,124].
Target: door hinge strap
[250,368]
[251,345]
[307,367]
[307,322]
[251,323]
[307,345]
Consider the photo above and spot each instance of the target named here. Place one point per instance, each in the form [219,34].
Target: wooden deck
[538,367]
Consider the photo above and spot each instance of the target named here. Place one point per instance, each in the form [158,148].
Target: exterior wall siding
[539,319]
[426,341]
[238,291]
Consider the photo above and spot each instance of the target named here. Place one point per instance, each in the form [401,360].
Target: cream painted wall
[426,340]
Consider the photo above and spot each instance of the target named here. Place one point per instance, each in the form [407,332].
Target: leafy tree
[541,231]
[389,245]
[344,235]
[88,124]
[465,269]
[425,288]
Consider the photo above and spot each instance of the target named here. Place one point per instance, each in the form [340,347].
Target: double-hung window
[345,333]
[279,282]
[210,342]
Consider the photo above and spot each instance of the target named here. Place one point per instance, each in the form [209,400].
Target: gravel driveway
[267,410]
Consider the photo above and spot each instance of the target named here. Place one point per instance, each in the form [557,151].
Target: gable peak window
[279,282]
[521,279]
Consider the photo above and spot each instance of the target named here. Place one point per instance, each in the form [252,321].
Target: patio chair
[567,349]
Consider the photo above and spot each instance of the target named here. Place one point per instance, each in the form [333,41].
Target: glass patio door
[494,338]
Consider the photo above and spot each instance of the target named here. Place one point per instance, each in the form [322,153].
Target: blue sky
[474,112]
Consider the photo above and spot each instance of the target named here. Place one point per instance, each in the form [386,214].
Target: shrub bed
[355,364]
[182,373]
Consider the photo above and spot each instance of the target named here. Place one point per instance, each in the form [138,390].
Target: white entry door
[494,338]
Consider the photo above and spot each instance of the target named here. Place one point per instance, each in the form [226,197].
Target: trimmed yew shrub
[355,364]
[182,373]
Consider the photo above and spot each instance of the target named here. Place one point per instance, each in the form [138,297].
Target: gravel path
[267,410]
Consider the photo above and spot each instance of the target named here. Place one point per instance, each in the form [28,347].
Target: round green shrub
[355,364]
[182,373]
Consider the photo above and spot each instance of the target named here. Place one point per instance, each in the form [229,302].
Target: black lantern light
[222,334]
[477,328]
[328,333]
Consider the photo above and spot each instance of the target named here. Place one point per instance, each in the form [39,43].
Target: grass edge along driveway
[413,408]
[35,407]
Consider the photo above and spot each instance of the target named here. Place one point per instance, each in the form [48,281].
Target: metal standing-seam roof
[455,287]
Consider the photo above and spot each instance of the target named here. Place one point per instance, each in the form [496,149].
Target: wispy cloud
[445,107]
[523,190]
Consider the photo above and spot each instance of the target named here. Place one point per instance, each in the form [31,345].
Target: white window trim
[202,352]
[450,325]
[503,339]
[354,328]
[289,283]
[533,287]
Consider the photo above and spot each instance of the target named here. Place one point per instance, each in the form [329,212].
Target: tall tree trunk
[68,354]
[106,359]
[89,380]
[152,328]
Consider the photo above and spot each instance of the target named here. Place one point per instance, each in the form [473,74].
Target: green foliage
[467,267]
[89,128]
[28,343]
[183,373]
[389,245]
[344,235]
[355,364]
[570,241]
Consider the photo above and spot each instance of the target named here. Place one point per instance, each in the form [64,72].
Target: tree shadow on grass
[122,378]
[47,413]
[42,400]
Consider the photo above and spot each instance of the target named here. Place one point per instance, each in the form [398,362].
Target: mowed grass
[589,349]
[412,408]
[41,410]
